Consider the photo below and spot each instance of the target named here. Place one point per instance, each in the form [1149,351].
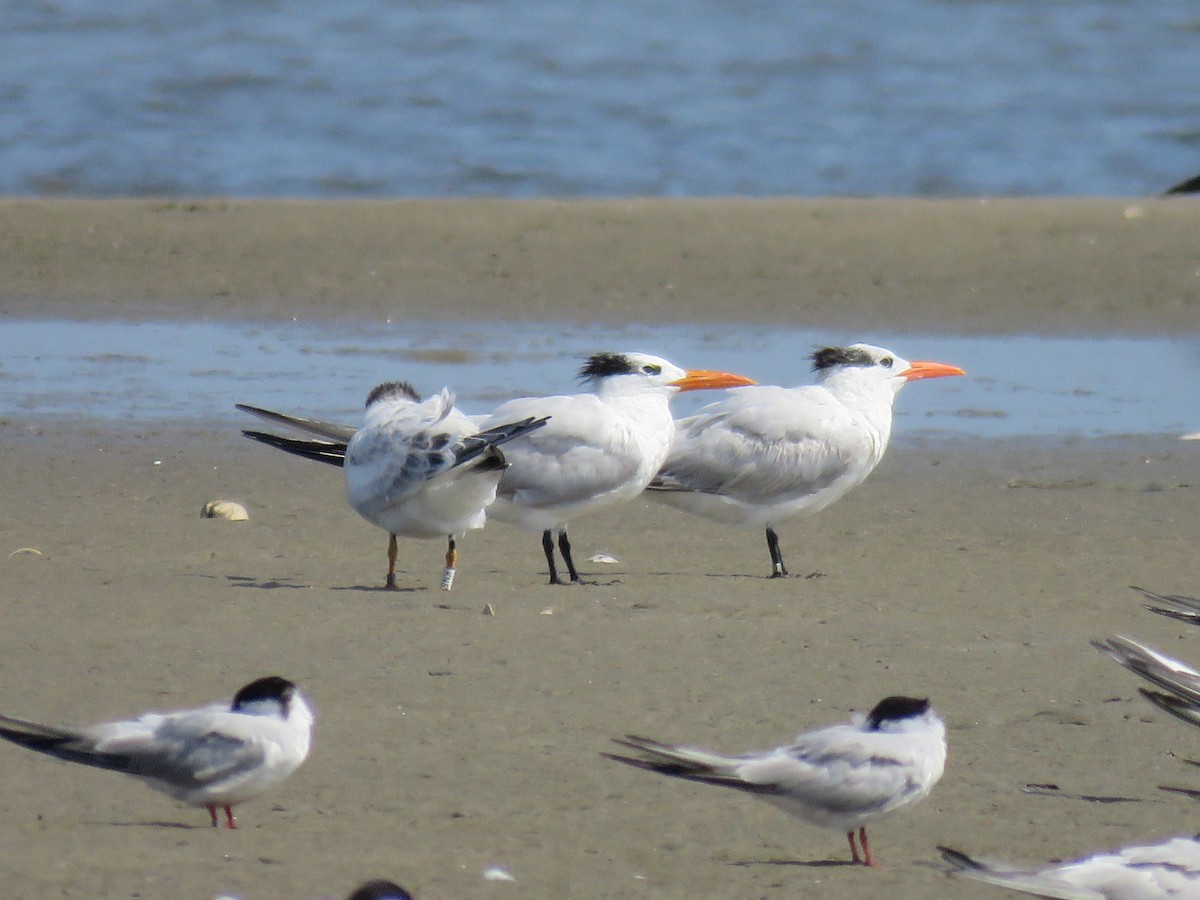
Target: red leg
[230,822]
[854,857]
[212,811]
[862,836]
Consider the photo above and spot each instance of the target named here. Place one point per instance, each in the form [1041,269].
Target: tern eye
[887,362]
[651,369]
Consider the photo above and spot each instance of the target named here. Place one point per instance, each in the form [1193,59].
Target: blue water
[188,372]
[521,98]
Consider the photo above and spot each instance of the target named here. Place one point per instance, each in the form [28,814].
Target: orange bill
[918,370]
[700,380]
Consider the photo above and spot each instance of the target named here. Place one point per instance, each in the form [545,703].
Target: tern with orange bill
[596,449]
[766,454]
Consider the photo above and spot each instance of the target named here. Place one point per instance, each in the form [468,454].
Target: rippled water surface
[520,98]
[185,371]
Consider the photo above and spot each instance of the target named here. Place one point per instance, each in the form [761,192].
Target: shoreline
[1056,266]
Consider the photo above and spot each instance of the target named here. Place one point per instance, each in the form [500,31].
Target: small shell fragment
[548,611]
[488,610]
[26,551]
[225,509]
[604,558]
[495,873]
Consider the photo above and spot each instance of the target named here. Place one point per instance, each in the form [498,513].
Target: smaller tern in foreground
[1173,606]
[417,469]
[215,756]
[765,454]
[1178,682]
[598,448]
[842,777]
[1152,872]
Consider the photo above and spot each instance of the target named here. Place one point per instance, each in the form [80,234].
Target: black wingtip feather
[331,452]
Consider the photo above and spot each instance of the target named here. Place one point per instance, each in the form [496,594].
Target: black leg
[548,548]
[564,545]
[778,570]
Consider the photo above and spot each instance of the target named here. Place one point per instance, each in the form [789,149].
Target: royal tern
[765,454]
[840,777]
[214,756]
[1179,682]
[1153,872]
[417,469]
[598,448]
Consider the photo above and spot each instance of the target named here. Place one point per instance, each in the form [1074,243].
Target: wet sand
[449,741]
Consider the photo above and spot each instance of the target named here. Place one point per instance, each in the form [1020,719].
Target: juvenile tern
[1152,872]
[1179,683]
[842,777]
[598,448]
[765,454]
[417,469]
[214,756]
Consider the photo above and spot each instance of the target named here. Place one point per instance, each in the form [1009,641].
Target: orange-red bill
[701,379]
[918,370]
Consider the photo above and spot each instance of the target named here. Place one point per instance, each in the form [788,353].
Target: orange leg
[868,860]
[393,552]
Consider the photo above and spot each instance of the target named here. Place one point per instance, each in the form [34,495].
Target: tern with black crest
[766,454]
[842,777]
[216,756]
[598,448]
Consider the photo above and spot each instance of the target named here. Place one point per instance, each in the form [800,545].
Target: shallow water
[197,371]
[520,98]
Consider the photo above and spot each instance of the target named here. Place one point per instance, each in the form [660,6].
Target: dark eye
[886,362]
[650,369]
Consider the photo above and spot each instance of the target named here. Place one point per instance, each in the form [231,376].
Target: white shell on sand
[225,509]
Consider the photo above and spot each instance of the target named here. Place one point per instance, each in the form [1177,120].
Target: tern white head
[215,756]
[765,454]
[1167,869]
[416,469]
[597,448]
[842,777]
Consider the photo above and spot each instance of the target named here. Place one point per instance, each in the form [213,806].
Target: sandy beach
[449,741]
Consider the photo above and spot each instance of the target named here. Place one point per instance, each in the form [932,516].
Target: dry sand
[449,741]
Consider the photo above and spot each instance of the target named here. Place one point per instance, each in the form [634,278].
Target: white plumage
[1170,869]
[766,454]
[419,469]
[215,756]
[842,777]
[597,448]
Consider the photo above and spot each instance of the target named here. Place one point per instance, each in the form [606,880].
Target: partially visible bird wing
[329,430]
[331,452]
